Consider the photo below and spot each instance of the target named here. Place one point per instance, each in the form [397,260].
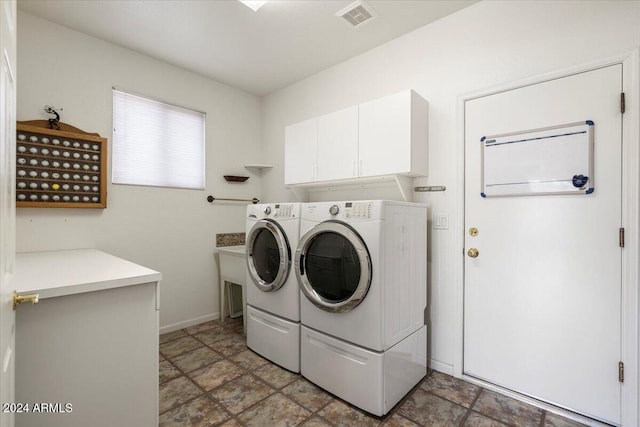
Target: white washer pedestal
[233,270]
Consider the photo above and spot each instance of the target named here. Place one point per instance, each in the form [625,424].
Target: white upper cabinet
[387,136]
[338,145]
[393,134]
[300,152]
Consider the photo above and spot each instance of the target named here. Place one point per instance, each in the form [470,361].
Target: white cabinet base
[97,351]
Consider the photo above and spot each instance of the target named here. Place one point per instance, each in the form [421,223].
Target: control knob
[267,210]
[333,210]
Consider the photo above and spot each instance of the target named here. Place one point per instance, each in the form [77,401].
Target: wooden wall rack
[63,168]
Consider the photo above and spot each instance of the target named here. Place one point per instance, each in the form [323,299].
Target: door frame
[8,16]
[630,220]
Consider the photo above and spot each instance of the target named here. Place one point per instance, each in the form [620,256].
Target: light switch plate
[440,222]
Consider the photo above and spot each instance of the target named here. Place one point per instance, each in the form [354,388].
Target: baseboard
[441,367]
[191,322]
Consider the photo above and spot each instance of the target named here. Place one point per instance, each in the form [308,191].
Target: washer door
[333,266]
[268,255]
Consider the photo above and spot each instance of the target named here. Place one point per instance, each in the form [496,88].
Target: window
[156,144]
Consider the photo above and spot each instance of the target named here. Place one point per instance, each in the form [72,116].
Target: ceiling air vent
[357,13]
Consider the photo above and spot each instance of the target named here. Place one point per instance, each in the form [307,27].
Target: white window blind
[156,144]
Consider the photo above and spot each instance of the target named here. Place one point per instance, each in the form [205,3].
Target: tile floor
[208,377]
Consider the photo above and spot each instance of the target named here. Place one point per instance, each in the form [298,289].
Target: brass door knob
[473,253]
[21,299]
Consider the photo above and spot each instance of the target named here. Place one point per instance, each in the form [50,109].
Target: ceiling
[258,52]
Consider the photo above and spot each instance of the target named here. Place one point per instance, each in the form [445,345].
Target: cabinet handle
[21,299]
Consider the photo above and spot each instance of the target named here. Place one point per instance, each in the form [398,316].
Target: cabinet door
[385,135]
[300,152]
[338,145]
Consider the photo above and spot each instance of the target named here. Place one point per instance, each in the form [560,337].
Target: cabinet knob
[21,299]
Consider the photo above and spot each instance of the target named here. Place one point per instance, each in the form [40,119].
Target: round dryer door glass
[268,255]
[333,266]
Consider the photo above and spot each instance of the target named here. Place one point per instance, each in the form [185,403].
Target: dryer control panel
[357,210]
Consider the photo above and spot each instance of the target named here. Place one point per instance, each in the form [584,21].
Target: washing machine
[361,267]
[273,296]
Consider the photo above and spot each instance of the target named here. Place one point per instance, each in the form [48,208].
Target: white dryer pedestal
[372,381]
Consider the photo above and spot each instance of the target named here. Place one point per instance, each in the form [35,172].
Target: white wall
[172,231]
[487,44]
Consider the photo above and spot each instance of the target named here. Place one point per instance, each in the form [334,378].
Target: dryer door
[333,266]
[268,255]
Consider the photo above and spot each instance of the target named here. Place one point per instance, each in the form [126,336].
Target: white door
[7,202]
[542,299]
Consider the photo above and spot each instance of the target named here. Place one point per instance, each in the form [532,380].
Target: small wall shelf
[235,178]
[259,168]
[401,183]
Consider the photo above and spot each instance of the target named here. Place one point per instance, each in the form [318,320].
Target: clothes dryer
[273,297]
[361,267]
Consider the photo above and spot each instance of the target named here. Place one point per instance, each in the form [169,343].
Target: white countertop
[239,250]
[60,273]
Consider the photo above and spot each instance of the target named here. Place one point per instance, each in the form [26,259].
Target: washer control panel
[283,210]
[357,210]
